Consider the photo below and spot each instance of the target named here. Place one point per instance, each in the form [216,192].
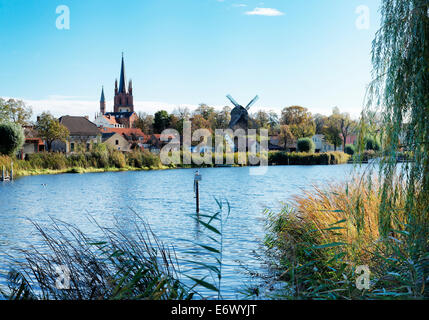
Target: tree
[332,131]
[11,138]
[347,127]
[205,111]
[262,119]
[161,121]
[319,121]
[176,123]
[15,111]
[223,118]
[144,122]
[199,122]
[274,122]
[299,120]
[50,129]
[285,136]
[182,113]
[400,92]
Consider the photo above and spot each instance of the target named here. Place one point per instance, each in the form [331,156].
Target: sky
[180,53]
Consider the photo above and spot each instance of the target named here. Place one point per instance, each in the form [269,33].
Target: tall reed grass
[123,265]
[315,245]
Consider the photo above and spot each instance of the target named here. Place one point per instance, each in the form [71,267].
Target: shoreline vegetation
[102,159]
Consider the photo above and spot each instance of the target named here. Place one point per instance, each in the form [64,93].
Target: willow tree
[400,92]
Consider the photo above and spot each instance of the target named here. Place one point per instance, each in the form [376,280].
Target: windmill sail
[232,100]
[251,103]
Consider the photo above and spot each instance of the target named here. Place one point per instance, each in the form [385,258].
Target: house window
[117,142]
[72,146]
[87,146]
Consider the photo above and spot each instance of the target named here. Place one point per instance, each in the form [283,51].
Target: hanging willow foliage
[400,93]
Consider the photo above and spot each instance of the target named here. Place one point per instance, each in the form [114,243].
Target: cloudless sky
[185,52]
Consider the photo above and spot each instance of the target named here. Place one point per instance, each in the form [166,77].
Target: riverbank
[104,160]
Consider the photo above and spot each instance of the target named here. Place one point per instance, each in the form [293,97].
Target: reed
[315,245]
[124,265]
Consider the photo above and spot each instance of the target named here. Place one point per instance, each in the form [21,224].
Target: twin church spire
[123,100]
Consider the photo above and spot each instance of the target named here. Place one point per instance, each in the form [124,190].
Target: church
[123,115]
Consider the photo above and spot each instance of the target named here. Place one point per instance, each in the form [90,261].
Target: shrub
[372,144]
[365,156]
[11,138]
[306,145]
[296,158]
[143,159]
[118,159]
[349,149]
[45,160]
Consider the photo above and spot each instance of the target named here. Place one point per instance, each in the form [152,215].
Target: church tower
[102,102]
[123,101]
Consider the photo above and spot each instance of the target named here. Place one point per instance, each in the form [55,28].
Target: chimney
[87,117]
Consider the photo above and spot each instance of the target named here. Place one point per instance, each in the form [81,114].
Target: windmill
[240,115]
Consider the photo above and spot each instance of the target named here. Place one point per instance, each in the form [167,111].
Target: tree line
[290,125]
[293,123]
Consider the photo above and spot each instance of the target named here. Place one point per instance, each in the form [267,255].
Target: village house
[32,144]
[116,141]
[321,145]
[82,133]
[133,136]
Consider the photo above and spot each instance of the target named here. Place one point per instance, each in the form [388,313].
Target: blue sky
[182,53]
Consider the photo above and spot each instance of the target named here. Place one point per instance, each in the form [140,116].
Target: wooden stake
[197,179]
[197,191]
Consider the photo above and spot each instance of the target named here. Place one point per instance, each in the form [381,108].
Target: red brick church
[123,115]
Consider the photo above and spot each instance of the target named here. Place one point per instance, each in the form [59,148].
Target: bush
[118,159]
[143,159]
[306,145]
[11,138]
[296,158]
[45,160]
[349,149]
[364,156]
[372,144]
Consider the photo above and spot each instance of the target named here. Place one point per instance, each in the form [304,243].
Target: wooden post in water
[2,174]
[197,178]
[11,171]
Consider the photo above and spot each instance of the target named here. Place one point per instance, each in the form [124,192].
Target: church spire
[102,99]
[122,83]
[102,102]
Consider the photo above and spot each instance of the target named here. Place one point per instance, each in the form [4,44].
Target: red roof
[111,120]
[127,132]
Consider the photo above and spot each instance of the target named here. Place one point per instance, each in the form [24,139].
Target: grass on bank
[103,159]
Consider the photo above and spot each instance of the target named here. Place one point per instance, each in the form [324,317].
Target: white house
[322,145]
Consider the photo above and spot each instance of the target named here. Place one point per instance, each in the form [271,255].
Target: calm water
[166,201]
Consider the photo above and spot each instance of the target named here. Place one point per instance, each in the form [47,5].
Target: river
[165,199]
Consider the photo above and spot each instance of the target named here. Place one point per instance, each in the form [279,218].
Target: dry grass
[347,213]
